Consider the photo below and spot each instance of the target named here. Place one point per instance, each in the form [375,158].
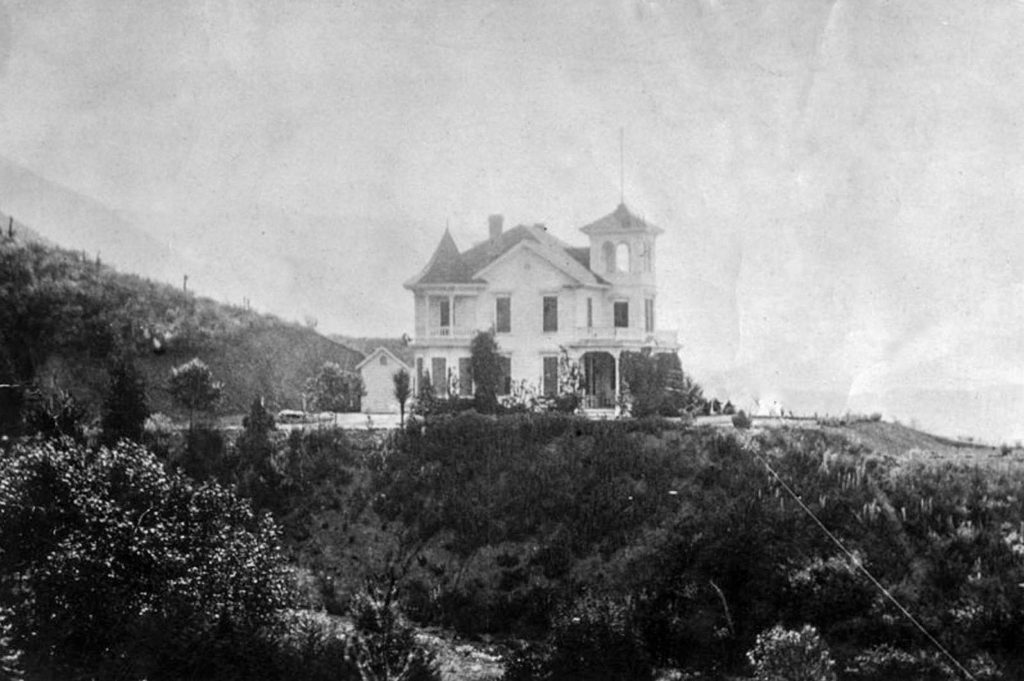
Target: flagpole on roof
[622,173]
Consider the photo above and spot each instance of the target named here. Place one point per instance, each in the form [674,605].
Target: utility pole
[184,284]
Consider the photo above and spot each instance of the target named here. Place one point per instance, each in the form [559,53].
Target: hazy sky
[840,183]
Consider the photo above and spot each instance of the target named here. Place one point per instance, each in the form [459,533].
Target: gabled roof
[448,266]
[383,351]
[580,255]
[620,220]
[483,254]
[556,257]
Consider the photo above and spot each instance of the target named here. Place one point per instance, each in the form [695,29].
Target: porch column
[618,380]
[451,313]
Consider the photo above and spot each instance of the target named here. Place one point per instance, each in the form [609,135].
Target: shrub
[384,646]
[790,655]
[112,565]
[885,662]
[741,420]
[596,640]
[527,662]
[56,415]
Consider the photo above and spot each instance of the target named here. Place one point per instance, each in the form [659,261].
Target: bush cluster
[113,564]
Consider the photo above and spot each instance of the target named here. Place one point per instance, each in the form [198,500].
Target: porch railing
[617,333]
[598,402]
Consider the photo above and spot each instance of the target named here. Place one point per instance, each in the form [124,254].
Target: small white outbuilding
[377,372]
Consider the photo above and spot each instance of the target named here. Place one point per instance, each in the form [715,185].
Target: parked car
[291,416]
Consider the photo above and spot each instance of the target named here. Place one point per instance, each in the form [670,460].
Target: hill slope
[62,315]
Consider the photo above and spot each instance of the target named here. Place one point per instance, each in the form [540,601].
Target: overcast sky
[840,183]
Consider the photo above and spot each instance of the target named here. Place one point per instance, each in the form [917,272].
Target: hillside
[63,313]
[398,346]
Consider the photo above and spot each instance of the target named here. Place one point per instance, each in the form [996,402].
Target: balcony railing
[611,334]
[450,332]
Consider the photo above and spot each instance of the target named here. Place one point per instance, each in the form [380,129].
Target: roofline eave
[415,285]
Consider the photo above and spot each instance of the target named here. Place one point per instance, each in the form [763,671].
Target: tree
[256,475]
[487,371]
[55,415]
[402,392]
[658,385]
[682,394]
[115,567]
[334,389]
[125,409]
[192,387]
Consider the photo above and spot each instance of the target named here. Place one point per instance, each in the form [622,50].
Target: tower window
[622,257]
[608,252]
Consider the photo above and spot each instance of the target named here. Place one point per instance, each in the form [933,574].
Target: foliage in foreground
[114,567]
[791,654]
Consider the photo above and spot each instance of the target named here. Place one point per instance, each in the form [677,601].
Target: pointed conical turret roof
[445,266]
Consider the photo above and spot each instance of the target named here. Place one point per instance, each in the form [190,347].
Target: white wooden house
[377,371]
[540,295]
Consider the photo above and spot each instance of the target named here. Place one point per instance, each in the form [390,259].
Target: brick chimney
[494,222]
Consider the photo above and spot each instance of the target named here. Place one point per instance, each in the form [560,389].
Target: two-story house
[540,295]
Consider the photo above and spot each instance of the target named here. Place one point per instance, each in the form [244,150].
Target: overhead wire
[754,450]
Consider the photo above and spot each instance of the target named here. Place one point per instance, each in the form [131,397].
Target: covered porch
[602,379]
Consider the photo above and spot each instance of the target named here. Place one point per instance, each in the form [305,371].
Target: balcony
[625,337]
[446,334]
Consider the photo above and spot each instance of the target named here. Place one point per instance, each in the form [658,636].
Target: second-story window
[550,313]
[446,314]
[503,315]
[621,311]
[649,315]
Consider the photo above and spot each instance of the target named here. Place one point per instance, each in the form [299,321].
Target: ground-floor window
[465,377]
[439,368]
[505,385]
[550,382]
